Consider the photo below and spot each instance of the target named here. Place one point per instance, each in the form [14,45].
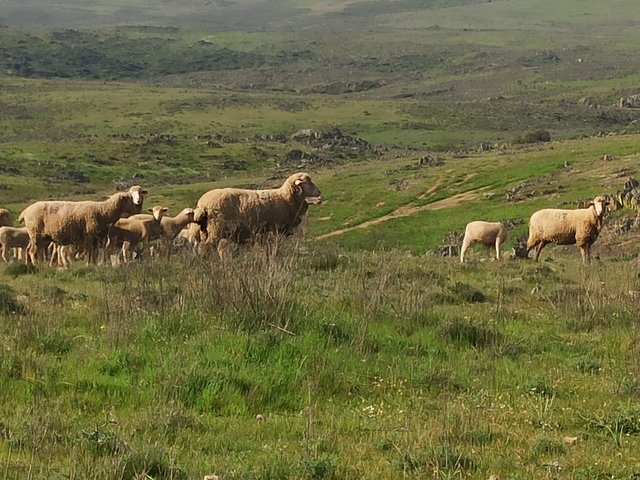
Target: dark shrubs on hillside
[538,136]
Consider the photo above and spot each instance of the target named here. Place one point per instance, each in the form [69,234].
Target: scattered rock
[629,196]
[632,101]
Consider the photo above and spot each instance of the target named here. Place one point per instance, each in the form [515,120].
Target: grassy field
[352,350]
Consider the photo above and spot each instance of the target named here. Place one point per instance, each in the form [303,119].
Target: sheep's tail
[21,217]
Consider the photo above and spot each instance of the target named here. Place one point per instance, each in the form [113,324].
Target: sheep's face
[189,213]
[600,203]
[307,188]
[137,193]
[158,212]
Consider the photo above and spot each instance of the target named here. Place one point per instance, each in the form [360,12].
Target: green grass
[166,373]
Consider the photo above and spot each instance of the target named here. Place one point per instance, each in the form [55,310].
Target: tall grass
[308,361]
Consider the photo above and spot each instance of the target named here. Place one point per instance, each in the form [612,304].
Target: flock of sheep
[64,230]
[550,225]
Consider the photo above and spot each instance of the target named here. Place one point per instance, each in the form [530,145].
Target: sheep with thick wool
[238,215]
[567,227]
[489,234]
[83,224]
[128,232]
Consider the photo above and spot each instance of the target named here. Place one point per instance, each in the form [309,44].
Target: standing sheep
[239,215]
[567,227]
[129,232]
[83,224]
[488,234]
[13,238]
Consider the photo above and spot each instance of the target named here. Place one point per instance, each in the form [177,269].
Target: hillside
[355,349]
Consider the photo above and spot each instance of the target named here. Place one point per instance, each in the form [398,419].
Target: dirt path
[408,210]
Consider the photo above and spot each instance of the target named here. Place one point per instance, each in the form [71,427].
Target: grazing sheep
[83,224]
[193,236]
[129,232]
[567,227]
[5,218]
[239,215]
[488,234]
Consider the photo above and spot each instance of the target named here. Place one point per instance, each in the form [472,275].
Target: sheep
[485,233]
[171,226]
[83,223]
[193,235]
[13,238]
[567,227]
[239,215]
[129,232]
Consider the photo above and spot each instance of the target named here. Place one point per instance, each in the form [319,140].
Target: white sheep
[567,227]
[129,232]
[83,224]
[489,234]
[240,215]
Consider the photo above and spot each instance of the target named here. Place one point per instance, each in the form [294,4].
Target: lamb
[13,238]
[171,226]
[129,232]
[239,215]
[484,233]
[193,235]
[567,227]
[83,224]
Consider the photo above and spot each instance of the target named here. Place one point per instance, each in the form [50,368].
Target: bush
[538,136]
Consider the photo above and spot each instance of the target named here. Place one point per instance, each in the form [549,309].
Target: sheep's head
[189,214]
[137,193]
[302,185]
[158,211]
[600,204]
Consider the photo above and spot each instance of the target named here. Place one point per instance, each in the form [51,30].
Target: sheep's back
[485,232]
[555,225]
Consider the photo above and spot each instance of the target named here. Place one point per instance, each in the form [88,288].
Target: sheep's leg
[54,255]
[32,251]
[463,249]
[498,248]
[224,250]
[125,252]
[586,253]
[539,248]
[4,253]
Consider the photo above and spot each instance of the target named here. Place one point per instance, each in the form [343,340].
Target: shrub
[537,136]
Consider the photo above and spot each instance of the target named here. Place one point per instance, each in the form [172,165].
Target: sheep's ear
[297,184]
[591,204]
[165,209]
[150,210]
